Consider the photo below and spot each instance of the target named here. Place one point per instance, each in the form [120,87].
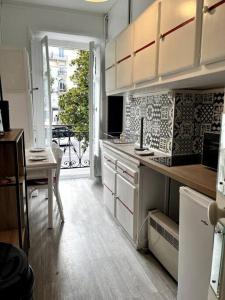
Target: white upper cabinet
[179,35]
[124,46]
[213,37]
[146,45]
[110,66]
[110,54]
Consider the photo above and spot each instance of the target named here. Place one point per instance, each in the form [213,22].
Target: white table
[34,169]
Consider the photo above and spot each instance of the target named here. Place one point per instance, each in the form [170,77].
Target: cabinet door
[110,54]
[110,79]
[109,179]
[124,45]
[213,37]
[109,200]
[195,246]
[125,203]
[178,47]
[145,45]
[124,73]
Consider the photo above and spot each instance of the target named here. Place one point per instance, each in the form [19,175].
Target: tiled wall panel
[175,122]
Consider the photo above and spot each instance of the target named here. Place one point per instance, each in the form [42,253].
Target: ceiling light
[96,1]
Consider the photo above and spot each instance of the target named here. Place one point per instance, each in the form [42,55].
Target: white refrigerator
[217,218]
[195,246]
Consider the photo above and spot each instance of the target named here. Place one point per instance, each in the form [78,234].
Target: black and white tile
[175,122]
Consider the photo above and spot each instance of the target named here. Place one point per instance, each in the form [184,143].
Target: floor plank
[89,256]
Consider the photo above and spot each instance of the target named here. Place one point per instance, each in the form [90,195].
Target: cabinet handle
[205,9]
[161,37]
[204,222]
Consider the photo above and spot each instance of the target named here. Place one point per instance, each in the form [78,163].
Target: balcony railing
[74,145]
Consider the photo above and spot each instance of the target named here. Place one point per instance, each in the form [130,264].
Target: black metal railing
[74,144]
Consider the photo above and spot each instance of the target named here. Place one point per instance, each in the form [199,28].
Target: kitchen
[164,65]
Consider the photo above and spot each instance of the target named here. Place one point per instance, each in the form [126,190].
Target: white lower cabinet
[125,218]
[109,200]
[125,203]
[109,182]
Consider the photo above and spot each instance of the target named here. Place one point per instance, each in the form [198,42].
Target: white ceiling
[70,4]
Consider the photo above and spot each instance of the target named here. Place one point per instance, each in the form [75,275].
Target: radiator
[163,240]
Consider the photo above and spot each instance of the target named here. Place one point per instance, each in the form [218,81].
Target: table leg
[50,199]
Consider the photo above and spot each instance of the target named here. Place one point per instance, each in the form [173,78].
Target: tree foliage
[74,103]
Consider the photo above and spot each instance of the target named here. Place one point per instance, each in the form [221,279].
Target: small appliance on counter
[4,109]
[210,153]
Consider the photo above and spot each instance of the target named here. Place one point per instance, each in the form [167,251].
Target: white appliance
[163,240]
[216,216]
[196,242]
[15,75]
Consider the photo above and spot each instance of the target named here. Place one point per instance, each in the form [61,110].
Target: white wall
[17,20]
[119,15]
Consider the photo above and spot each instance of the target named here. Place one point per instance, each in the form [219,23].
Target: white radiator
[163,240]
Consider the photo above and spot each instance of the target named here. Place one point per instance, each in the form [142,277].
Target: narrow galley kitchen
[112,131]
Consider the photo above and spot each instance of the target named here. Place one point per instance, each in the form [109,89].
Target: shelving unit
[14,222]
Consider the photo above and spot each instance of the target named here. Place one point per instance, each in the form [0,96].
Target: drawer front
[128,173]
[126,193]
[109,178]
[110,79]
[125,218]
[124,73]
[109,160]
[109,200]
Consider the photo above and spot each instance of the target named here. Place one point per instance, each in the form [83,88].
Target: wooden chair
[42,183]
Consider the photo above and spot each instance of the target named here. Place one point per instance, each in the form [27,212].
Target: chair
[42,183]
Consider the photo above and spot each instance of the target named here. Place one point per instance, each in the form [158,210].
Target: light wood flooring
[89,256]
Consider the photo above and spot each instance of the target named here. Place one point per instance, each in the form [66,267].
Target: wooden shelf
[11,136]
[11,236]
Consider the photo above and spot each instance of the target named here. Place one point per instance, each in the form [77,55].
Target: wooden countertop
[196,176]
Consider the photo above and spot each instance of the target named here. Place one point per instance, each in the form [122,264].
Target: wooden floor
[89,257]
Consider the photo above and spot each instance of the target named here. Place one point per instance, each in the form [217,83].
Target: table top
[196,176]
[48,163]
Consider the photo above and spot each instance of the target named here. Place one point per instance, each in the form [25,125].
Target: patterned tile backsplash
[175,121]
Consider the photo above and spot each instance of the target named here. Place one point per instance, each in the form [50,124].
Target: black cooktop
[178,160]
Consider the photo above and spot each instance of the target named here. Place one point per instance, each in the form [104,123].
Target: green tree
[74,103]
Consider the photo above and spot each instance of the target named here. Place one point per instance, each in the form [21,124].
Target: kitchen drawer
[109,160]
[128,173]
[125,218]
[109,200]
[124,73]
[126,192]
[109,178]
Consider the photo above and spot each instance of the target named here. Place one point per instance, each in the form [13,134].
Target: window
[62,86]
[61,52]
[62,70]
